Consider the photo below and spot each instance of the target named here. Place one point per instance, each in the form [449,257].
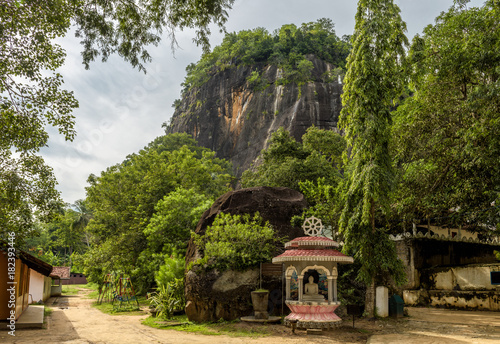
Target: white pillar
[334,276]
[330,288]
[301,286]
[382,301]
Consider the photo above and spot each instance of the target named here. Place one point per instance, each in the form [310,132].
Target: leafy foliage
[443,134]
[59,240]
[31,99]
[286,48]
[127,27]
[168,298]
[169,294]
[236,242]
[175,215]
[138,206]
[170,271]
[287,162]
[324,203]
[373,82]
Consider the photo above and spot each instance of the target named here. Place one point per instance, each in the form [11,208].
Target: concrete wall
[47,288]
[466,287]
[37,283]
[40,287]
[473,277]
[56,290]
[405,252]
[452,232]
[481,300]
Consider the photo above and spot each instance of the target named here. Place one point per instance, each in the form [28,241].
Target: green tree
[326,142]
[236,242]
[373,82]
[286,48]
[172,269]
[176,215]
[324,203]
[287,162]
[56,241]
[31,99]
[128,27]
[169,180]
[445,133]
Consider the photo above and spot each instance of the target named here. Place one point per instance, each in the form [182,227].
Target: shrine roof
[328,255]
[311,241]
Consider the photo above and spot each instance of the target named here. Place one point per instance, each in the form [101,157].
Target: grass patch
[229,328]
[125,309]
[47,311]
[71,289]
[94,294]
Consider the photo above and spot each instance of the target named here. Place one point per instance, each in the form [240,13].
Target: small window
[495,277]
[453,234]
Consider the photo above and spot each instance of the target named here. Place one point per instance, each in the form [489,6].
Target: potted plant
[259,302]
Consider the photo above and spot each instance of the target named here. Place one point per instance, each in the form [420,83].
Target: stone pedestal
[259,303]
[382,301]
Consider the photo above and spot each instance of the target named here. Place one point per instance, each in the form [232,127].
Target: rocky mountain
[237,109]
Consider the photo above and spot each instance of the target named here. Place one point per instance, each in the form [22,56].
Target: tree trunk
[370,299]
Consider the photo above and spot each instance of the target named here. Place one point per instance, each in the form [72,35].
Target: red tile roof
[61,272]
[311,241]
[312,238]
[313,255]
[310,253]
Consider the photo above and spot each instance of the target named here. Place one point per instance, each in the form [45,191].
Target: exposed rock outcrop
[229,117]
[213,294]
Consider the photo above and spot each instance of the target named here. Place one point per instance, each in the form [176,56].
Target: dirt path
[74,321]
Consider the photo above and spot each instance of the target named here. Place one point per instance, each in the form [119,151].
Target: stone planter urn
[259,303]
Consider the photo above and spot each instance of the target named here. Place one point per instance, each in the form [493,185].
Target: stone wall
[480,300]
[448,273]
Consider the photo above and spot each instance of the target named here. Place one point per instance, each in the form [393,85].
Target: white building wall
[36,286]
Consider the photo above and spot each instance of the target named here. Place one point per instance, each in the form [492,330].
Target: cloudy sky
[122,110]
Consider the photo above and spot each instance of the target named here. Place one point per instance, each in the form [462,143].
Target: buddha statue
[311,291]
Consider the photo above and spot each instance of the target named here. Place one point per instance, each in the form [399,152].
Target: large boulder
[214,294]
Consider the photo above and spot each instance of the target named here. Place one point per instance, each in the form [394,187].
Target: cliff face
[228,116]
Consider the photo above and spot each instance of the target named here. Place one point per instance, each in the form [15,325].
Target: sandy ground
[74,321]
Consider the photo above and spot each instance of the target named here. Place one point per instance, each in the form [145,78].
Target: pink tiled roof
[311,241]
[61,272]
[311,238]
[309,253]
[313,255]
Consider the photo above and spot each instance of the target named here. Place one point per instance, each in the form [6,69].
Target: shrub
[168,298]
[237,242]
[170,271]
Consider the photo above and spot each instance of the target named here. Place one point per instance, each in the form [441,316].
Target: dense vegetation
[31,95]
[286,48]
[145,208]
[427,156]
[287,162]
[430,154]
[236,242]
[58,241]
[445,137]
